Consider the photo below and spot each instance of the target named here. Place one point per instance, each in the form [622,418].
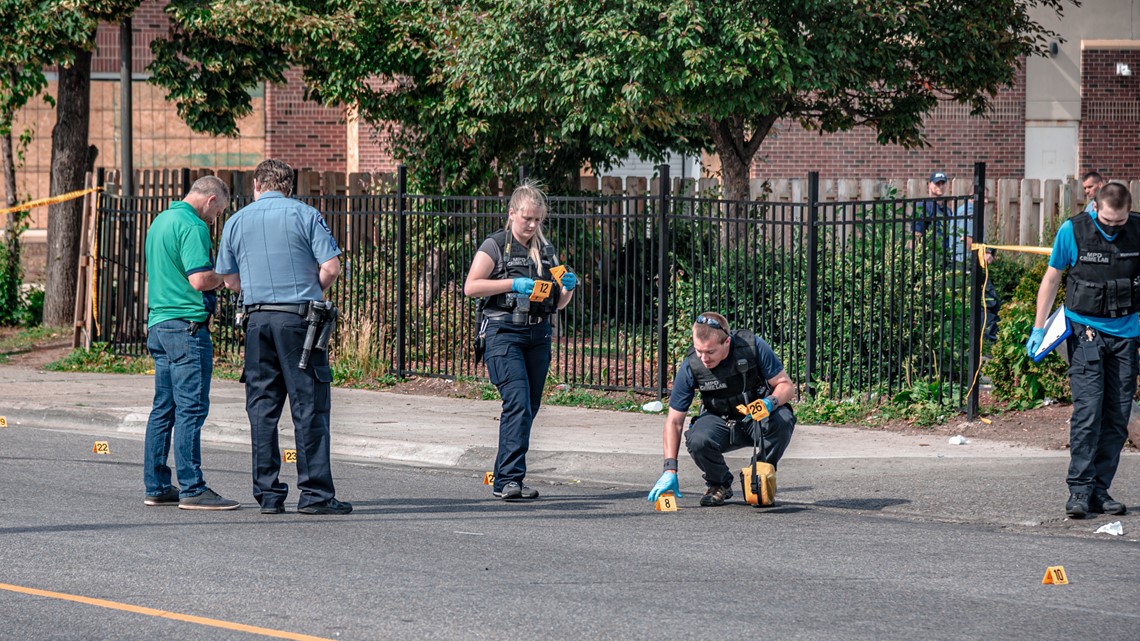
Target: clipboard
[1057,329]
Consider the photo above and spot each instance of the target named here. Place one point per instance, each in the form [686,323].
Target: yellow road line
[216,623]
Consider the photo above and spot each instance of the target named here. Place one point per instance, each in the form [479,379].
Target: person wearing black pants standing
[518,274]
[1100,249]
[279,253]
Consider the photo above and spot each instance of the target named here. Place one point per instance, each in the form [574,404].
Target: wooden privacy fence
[1018,211]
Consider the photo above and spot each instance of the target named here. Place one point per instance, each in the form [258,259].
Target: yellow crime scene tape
[32,204]
[71,195]
[980,248]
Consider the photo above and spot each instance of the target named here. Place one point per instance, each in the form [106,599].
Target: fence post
[663,280]
[522,174]
[185,176]
[813,280]
[401,267]
[979,235]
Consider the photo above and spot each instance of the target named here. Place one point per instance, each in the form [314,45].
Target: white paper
[1055,328]
[958,440]
[1114,528]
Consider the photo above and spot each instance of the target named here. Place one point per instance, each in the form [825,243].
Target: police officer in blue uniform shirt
[278,252]
[1101,251]
[728,369]
[516,271]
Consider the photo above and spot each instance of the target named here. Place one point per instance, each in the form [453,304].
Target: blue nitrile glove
[522,285]
[569,281]
[1034,342]
[667,483]
[770,403]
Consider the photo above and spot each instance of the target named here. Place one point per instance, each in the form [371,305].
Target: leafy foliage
[1016,378]
[467,91]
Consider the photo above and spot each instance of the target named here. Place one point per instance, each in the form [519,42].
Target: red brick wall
[147,23]
[1110,113]
[301,132]
[956,142]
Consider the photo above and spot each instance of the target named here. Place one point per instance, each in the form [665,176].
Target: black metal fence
[853,299]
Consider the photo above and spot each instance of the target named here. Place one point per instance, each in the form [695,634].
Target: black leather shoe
[1102,503]
[1077,506]
[331,506]
[273,509]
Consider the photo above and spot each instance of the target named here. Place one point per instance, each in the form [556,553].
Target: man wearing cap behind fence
[729,369]
[279,253]
[1101,252]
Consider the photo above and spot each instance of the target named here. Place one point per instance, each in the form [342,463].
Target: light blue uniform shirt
[276,245]
[1063,257]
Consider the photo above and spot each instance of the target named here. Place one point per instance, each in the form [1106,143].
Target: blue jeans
[183,365]
[517,358]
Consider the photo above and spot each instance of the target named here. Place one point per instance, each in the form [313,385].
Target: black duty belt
[299,309]
[531,320]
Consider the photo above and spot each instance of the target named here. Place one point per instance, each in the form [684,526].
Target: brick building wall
[956,141]
[301,132]
[1110,112]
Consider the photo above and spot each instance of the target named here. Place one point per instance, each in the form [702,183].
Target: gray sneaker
[511,491]
[208,500]
[169,497]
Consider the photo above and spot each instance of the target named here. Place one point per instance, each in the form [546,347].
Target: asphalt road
[427,554]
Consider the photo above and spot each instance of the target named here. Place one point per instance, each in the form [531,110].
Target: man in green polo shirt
[180,296]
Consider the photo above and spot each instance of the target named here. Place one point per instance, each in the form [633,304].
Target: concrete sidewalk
[567,442]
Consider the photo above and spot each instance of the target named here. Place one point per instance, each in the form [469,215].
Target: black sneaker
[716,495]
[1102,503]
[331,506]
[1077,506]
[169,497]
[272,509]
[529,492]
[207,500]
[511,491]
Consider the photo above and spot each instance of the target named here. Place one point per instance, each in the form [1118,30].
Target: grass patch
[593,399]
[100,359]
[28,338]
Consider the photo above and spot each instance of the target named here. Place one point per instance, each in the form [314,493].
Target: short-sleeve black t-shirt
[685,384]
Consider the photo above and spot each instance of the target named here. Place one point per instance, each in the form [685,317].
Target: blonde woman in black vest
[517,273]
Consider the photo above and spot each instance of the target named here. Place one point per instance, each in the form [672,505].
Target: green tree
[625,72]
[387,62]
[43,33]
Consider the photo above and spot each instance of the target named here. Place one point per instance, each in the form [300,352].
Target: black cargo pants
[1102,374]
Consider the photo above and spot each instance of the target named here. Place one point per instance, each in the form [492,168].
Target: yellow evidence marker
[289,456]
[558,271]
[3,421]
[489,478]
[666,503]
[756,409]
[101,447]
[542,289]
[1055,575]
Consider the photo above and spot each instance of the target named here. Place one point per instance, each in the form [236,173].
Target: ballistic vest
[1105,282]
[515,262]
[734,381]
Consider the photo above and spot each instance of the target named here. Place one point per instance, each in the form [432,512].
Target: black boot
[1078,505]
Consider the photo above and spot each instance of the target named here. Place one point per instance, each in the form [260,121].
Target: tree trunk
[68,164]
[736,149]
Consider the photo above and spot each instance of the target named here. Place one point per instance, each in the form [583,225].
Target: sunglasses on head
[711,322]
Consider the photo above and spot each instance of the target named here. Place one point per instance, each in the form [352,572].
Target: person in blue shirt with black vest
[729,369]
[280,255]
[1101,251]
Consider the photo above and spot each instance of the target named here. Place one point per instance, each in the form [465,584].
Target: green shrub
[1016,378]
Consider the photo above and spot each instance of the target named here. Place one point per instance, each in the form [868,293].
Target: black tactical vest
[1104,283]
[515,262]
[736,377]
